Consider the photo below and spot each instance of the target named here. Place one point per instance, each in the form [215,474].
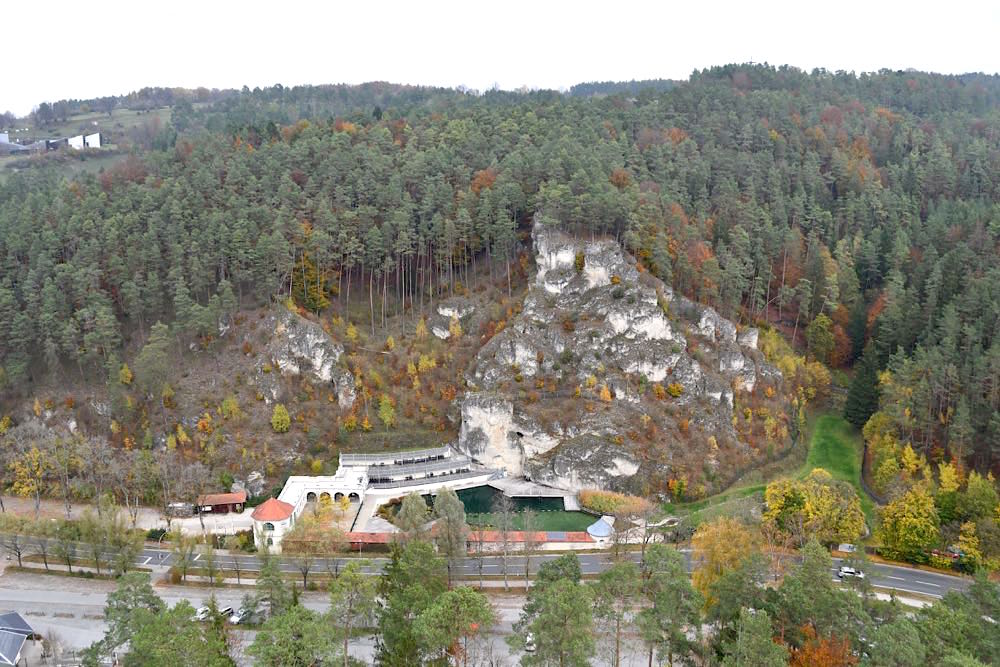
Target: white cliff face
[731,361]
[596,276]
[654,371]
[601,319]
[748,338]
[712,325]
[490,434]
[450,309]
[486,425]
[300,347]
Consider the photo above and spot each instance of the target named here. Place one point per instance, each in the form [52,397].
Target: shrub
[616,280]
[280,420]
[579,261]
[610,502]
[455,327]
[155,534]
[350,423]
[125,375]
[230,407]
[316,466]
[941,562]
[675,389]
[617,293]
[659,391]
[205,424]
[426,363]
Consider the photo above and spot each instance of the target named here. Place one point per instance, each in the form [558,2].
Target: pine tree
[863,394]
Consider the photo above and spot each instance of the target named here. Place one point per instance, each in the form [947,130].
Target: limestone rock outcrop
[297,346]
[564,394]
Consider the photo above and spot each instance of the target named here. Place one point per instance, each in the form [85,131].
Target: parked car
[529,643]
[241,615]
[180,509]
[205,613]
[847,571]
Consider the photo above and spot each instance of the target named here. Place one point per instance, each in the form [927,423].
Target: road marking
[197,557]
[907,590]
[148,558]
[889,576]
[927,583]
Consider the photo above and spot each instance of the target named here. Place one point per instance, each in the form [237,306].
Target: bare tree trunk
[371,298]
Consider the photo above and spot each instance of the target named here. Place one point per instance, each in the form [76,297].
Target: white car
[205,613]
[242,615]
[846,571]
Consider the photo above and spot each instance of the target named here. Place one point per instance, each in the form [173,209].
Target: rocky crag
[300,347]
[608,379]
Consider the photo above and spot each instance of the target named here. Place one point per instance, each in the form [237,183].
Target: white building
[271,520]
[80,141]
[389,474]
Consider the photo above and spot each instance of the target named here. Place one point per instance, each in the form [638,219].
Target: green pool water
[551,513]
[480,499]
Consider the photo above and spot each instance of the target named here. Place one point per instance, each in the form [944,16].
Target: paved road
[902,579]
[909,580]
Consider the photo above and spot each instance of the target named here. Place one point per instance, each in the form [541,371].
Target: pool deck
[516,487]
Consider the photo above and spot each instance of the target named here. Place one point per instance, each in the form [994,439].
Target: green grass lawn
[836,447]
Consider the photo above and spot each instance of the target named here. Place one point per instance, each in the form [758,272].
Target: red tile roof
[273,509]
[369,538]
[239,497]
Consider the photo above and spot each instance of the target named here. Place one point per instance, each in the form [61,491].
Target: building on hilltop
[81,141]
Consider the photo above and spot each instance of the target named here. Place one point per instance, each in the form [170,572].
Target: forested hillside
[857,214]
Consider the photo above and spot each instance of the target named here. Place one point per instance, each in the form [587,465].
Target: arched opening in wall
[354,497]
[268,526]
[324,499]
[311,497]
[337,496]
[270,542]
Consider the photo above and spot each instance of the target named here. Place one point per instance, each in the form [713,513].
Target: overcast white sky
[56,50]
